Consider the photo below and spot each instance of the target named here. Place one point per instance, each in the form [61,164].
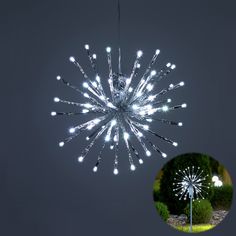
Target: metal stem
[191,215]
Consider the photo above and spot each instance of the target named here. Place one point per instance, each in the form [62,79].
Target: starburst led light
[126,113]
[191,183]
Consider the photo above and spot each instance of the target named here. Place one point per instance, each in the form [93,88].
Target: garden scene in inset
[193,192]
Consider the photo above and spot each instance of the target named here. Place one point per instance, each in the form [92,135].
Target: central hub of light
[120,92]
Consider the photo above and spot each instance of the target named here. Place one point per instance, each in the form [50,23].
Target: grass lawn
[196,228]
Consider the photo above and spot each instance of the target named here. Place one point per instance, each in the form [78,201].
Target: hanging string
[118,8]
[118,29]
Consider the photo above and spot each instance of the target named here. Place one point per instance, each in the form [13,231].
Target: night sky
[44,191]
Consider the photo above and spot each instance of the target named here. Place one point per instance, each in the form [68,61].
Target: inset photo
[193,192]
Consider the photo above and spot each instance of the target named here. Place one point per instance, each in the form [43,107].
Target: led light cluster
[190,183]
[216,181]
[126,113]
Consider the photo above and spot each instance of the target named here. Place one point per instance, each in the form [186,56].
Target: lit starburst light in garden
[191,183]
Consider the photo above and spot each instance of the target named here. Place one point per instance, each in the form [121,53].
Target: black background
[43,189]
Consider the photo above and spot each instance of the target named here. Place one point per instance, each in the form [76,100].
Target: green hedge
[202,211]
[222,198]
[162,210]
[156,195]
[156,191]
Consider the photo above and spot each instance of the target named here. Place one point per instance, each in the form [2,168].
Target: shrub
[222,198]
[202,211]
[166,184]
[156,195]
[156,191]
[224,174]
[162,210]
[156,185]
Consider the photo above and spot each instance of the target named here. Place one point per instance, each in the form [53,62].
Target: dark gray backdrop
[43,190]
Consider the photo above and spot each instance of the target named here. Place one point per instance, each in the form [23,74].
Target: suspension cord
[118,29]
